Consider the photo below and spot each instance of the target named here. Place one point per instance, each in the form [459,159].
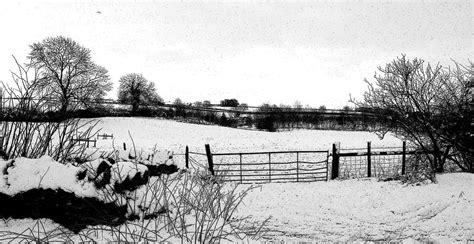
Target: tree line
[61,74]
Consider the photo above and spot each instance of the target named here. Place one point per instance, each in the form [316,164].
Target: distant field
[174,136]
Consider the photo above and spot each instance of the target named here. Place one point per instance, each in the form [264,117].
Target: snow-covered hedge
[23,174]
[101,183]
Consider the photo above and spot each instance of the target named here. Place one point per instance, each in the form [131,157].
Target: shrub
[193,207]
[426,105]
[266,122]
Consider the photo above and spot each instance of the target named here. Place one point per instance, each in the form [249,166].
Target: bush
[418,170]
[266,122]
[191,207]
[426,105]
[206,210]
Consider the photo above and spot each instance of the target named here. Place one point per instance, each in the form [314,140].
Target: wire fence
[381,166]
[370,162]
[303,166]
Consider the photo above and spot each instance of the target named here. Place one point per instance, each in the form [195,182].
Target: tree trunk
[134,107]
[135,103]
[64,107]
[439,168]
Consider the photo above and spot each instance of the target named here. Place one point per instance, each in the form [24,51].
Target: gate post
[369,161]
[209,159]
[186,157]
[335,162]
[404,153]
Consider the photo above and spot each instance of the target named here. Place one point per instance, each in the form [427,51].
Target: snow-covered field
[175,136]
[361,210]
[349,210]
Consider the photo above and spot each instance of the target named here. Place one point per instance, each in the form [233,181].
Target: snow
[43,173]
[123,170]
[171,137]
[365,209]
[174,136]
[91,167]
[150,155]
[348,210]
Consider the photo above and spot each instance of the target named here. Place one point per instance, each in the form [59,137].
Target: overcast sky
[317,53]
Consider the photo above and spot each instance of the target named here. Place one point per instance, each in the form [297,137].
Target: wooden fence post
[335,162]
[404,154]
[209,159]
[186,157]
[369,161]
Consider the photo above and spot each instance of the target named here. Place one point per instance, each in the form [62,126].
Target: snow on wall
[23,174]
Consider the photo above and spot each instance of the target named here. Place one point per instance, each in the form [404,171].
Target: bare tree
[457,124]
[136,90]
[424,104]
[26,132]
[68,73]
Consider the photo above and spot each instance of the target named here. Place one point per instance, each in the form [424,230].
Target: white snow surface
[348,210]
[365,209]
[123,170]
[43,173]
[169,137]
[175,136]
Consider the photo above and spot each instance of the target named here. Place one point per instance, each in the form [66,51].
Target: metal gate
[276,166]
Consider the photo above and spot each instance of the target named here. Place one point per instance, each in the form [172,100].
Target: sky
[317,53]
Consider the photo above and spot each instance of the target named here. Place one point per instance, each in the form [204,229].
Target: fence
[261,167]
[192,162]
[105,136]
[86,142]
[369,162]
[302,166]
